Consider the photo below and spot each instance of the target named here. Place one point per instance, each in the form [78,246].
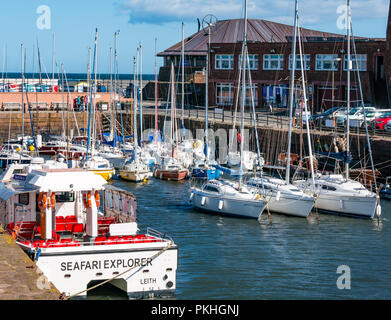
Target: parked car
[356,116]
[382,120]
[320,118]
[387,126]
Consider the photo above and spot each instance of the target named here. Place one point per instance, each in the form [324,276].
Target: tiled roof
[231,31]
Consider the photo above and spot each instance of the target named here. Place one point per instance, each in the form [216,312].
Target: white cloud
[311,12]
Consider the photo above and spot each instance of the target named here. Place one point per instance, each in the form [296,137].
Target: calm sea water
[285,258]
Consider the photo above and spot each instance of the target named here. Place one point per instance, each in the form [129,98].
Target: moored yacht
[336,195]
[283,198]
[227,198]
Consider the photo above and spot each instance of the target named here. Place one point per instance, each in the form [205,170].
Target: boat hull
[291,206]
[105,174]
[358,207]
[148,276]
[242,208]
[208,174]
[134,176]
[175,175]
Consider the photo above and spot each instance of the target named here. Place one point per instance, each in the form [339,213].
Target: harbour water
[280,258]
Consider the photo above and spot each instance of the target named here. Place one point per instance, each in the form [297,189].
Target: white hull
[290,205]
[364,207]
[220,204]
[71,272]
[135,176]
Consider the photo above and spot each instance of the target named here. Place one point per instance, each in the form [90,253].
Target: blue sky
[74,22]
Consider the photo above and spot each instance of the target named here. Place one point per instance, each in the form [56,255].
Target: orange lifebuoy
[97,198]
[53,201]
[87,199]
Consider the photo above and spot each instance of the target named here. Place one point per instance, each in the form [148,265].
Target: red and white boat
[170,169]
[78,239]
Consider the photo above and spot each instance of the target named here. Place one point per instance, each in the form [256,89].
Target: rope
[118,275]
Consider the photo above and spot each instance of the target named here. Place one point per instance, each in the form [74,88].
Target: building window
[254,90]
[306,62]
[326,62]
[359,62]
[273,62]
[224,94]
[253,60]
[224,62]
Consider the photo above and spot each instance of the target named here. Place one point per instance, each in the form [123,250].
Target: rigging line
[362,101]
[69,96]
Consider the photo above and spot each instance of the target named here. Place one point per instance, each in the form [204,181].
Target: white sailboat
[338,194]
[230,198]
[135,169]
[282,197]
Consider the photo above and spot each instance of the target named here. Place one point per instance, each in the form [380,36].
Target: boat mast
[244,55]
[141,90]
[22,61]
[53,56]
[111,96]
[156,93]
[207,99]
[349,65]
[183,75]
[288,157]
[92,100]
[135,136]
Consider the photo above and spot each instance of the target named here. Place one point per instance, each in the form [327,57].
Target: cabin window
[211,189]
[24,199]
[65,197]
[330,188]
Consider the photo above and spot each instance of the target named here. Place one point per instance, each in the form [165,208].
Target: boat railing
[158,234]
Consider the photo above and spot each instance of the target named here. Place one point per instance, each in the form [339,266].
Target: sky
[73,24]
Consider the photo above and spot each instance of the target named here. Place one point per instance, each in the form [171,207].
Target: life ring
[97,198]
[53,201]
[42,201]
[87,199]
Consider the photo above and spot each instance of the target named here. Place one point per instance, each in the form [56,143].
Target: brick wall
[314,78]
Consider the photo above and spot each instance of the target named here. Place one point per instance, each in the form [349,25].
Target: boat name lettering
[105,264]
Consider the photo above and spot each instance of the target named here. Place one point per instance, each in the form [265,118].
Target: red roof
[260,31]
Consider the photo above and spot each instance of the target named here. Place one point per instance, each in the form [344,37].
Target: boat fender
[278,196]
[53,201]
[97,198]
[378,210]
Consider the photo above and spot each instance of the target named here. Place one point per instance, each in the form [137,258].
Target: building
[270,47]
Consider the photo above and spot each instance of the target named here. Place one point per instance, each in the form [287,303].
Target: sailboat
[169,166]
[282,196]
[338,194]
[95,163]
[227,197]
[135,169]
[203,168]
